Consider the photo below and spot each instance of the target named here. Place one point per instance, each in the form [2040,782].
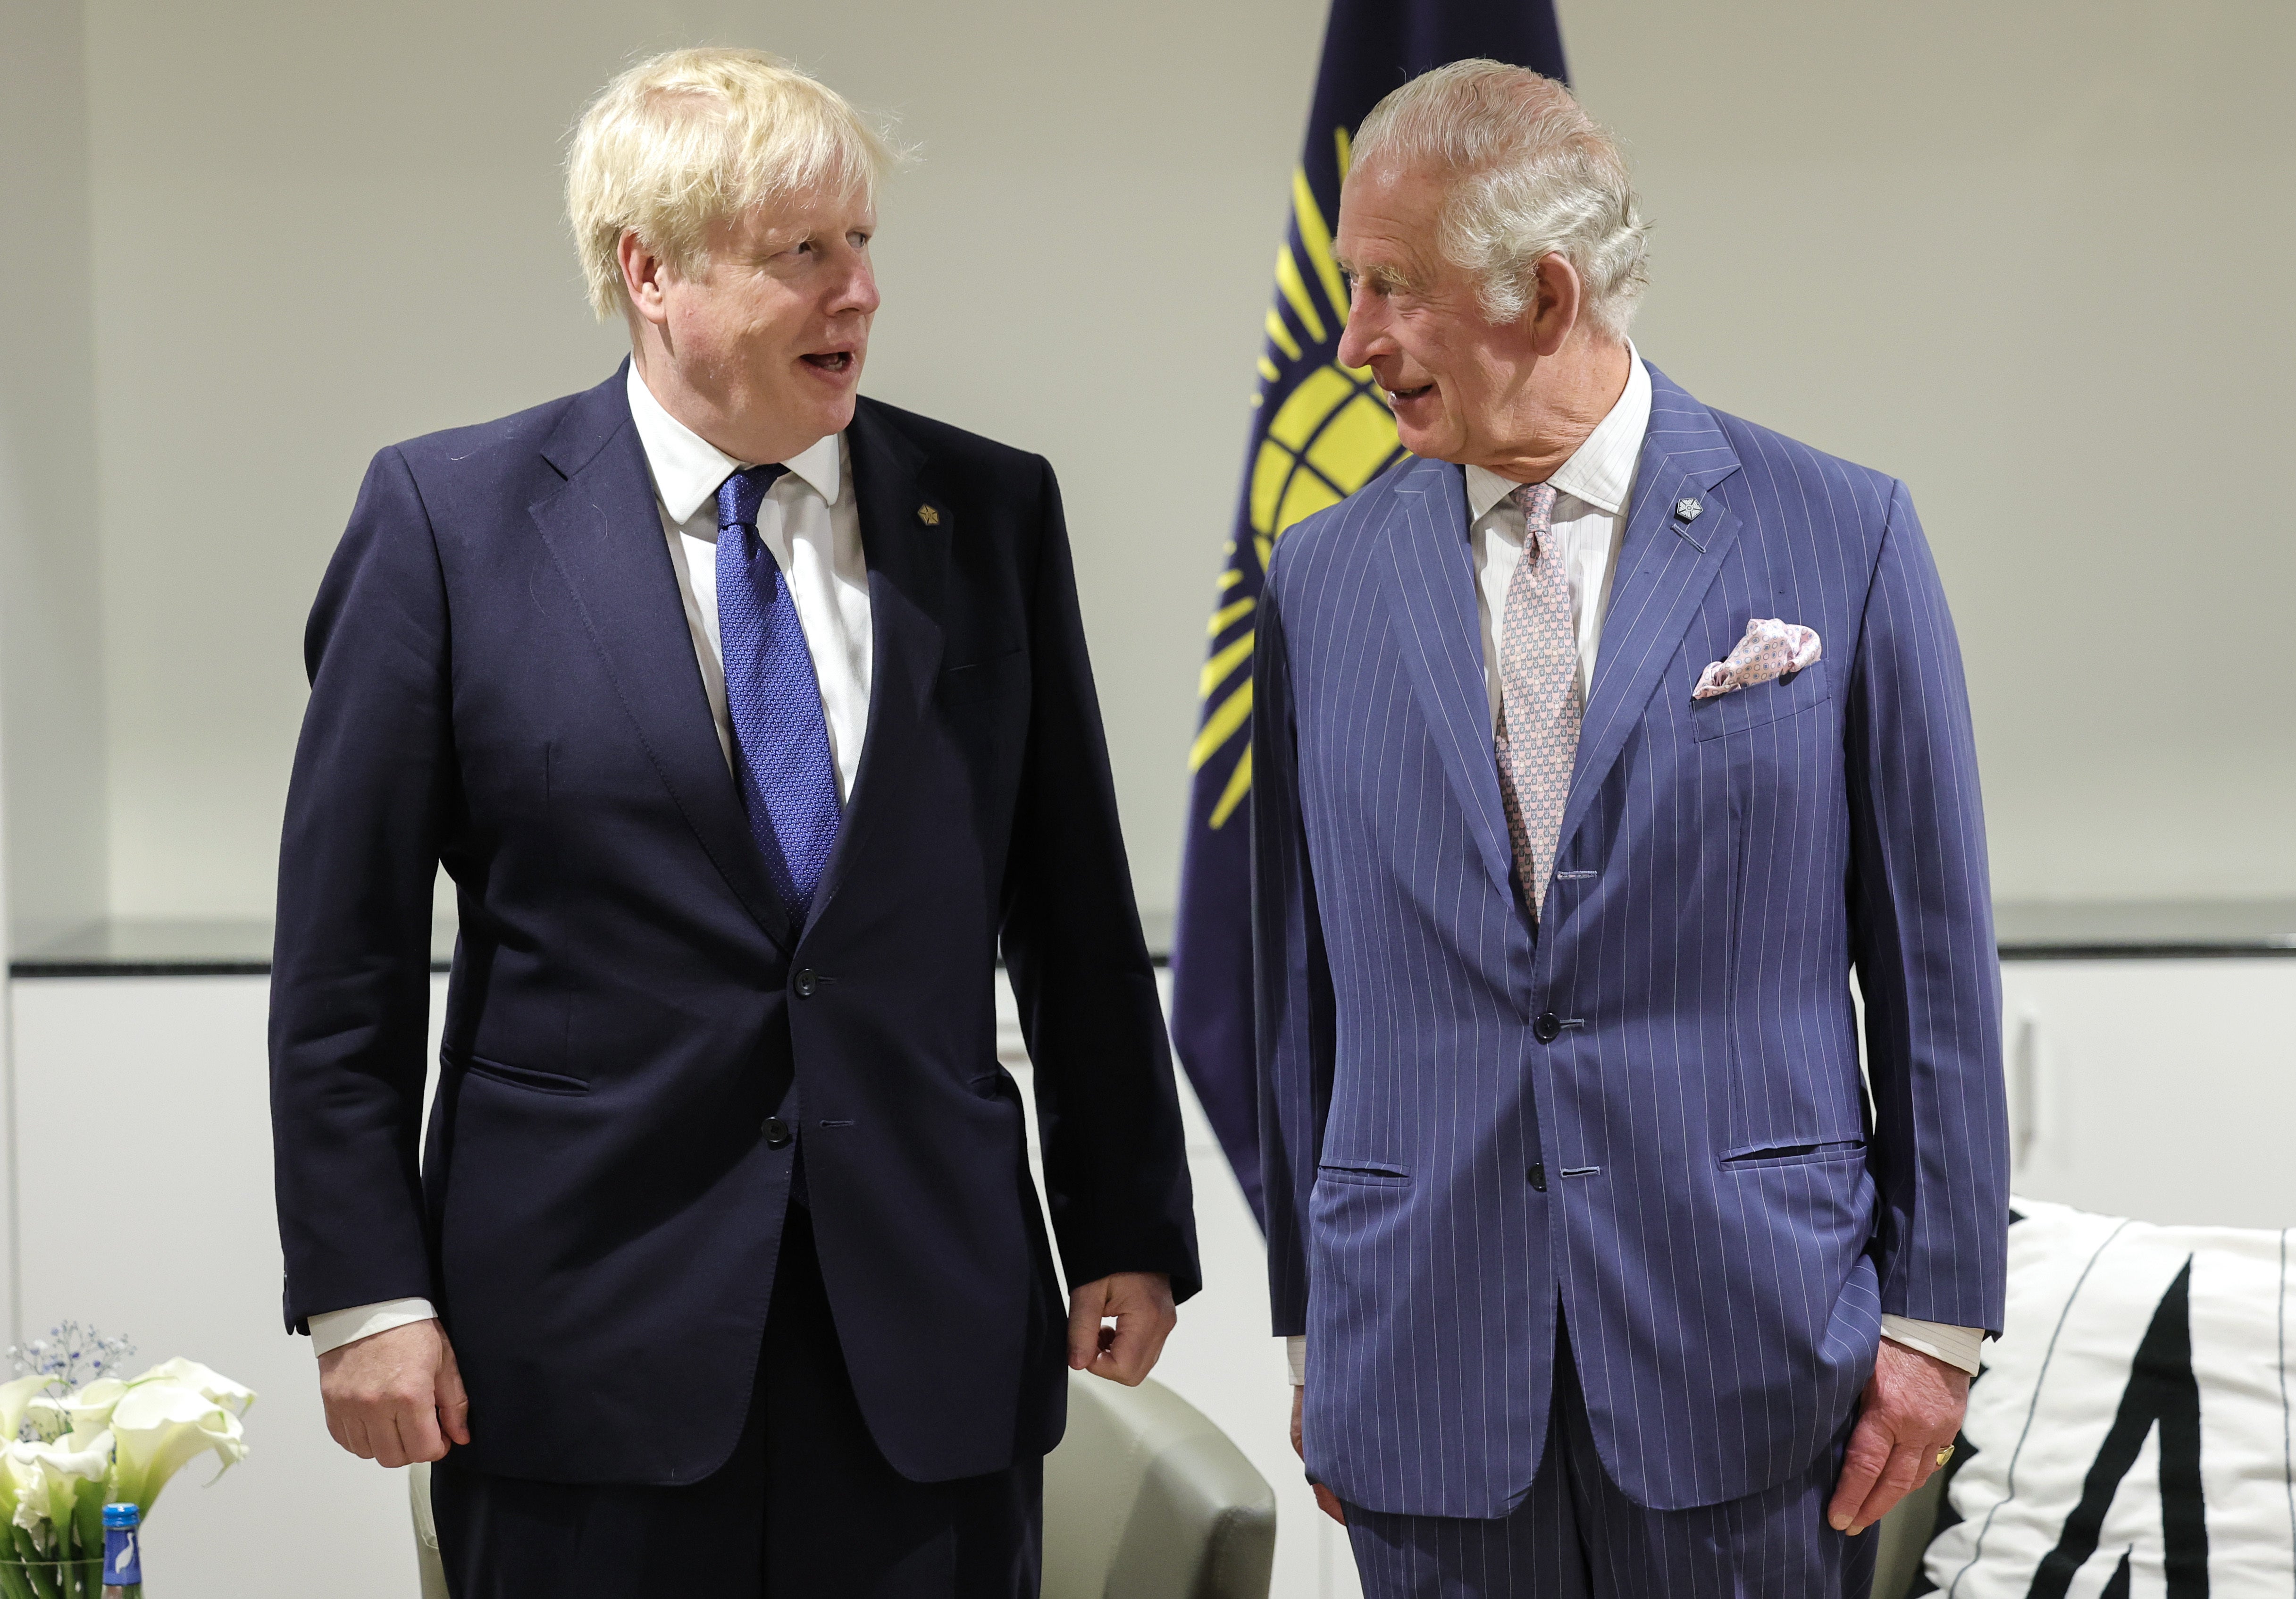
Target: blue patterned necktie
[789,780]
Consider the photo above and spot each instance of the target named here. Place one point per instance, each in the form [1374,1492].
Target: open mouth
[830,361]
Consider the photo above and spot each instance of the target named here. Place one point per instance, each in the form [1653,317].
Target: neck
[1564,398]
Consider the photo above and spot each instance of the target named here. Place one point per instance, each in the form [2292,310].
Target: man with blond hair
[752,721]
[1596,746]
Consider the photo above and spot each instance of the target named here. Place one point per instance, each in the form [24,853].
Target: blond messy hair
[694,137]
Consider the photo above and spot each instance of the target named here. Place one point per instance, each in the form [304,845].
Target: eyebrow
[1379,278]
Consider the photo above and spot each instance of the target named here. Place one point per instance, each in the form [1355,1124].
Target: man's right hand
[396,1397]
[1326,1500]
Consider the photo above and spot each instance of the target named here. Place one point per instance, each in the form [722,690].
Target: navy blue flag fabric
[1319,433]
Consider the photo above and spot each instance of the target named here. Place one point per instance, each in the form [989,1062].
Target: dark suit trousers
[1575,1536]
[807,1507]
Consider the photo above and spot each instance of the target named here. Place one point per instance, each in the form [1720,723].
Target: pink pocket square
[1769,650]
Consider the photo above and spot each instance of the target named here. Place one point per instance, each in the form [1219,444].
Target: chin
[1427,443]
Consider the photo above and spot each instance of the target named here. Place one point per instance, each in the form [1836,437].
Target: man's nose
[858,292]
[1360,340]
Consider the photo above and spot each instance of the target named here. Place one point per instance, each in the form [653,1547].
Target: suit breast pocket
[1762,703]
[973,682]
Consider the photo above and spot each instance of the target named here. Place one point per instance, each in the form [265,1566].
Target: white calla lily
[45,1419]
[204,1379]
[15,1471]
[48,1479]
[90,1409]
[160,1425]
[14,1398]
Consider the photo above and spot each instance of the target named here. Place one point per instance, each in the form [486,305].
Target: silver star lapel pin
[1687,510]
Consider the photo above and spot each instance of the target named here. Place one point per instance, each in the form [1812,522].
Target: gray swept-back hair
[1531,175]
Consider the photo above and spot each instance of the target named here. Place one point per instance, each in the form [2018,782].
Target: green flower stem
[87,1533]
[13,1583]
[41,1571]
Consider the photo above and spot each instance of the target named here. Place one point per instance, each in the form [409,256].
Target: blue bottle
[123,1552]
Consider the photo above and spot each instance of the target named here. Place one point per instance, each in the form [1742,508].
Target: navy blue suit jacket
[1651,1112]
[502,680]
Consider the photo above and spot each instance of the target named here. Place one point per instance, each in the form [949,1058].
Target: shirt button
[777,1133]
[805,983]
[1547,1028]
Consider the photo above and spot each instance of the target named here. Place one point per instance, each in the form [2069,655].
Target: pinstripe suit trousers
[1575,1536]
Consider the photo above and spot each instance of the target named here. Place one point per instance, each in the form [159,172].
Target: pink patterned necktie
[1539,709]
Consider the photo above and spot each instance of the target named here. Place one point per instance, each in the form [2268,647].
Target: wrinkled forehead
[1389,216]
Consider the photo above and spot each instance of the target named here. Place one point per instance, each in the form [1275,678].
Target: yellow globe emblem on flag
[1331,434]
[1330,438]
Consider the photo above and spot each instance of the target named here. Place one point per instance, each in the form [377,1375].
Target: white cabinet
[2162,1089]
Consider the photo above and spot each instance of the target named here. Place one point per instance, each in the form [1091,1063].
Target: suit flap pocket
[1754,1157]
[1369,1173]
[518,1077]
[1763,703]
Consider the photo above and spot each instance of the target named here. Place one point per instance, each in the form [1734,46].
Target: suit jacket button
[1547,1028]
[1538,1175]
[777,1133]
[805,983]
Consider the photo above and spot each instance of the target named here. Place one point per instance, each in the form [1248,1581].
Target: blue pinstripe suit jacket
[1689,1166]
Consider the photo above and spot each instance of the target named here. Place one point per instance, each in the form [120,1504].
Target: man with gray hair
[1596,747]
[752,721]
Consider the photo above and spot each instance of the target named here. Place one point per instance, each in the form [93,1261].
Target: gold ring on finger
[1945,1455]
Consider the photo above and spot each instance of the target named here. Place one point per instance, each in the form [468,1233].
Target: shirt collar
[687,468]
[1601,472]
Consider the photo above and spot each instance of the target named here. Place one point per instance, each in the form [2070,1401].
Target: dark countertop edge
[2234,950]
[53,966]
[36,966]
[75,966]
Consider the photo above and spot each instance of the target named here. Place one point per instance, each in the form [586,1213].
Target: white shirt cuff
[1955,1346]
[332,1329]
[1295,1351]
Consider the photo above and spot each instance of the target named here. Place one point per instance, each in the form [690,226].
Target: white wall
[319,229]
[2028,257]
[2033,258]
[51,661]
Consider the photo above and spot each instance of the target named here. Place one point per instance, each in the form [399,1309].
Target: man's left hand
[1911,1411]
[1141,1302]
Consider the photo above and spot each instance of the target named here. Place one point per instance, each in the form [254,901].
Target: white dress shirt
[1593,491]
[810,524]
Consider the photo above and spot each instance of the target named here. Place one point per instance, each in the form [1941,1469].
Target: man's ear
[643,272]
[1556,299]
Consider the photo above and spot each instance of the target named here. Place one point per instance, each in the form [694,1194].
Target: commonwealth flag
[1319,431]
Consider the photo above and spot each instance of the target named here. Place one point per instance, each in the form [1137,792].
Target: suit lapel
[1440,636]
[1665,566]
[604,532]
[908,572]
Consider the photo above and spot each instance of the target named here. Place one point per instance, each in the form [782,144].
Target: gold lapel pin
[929,516]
